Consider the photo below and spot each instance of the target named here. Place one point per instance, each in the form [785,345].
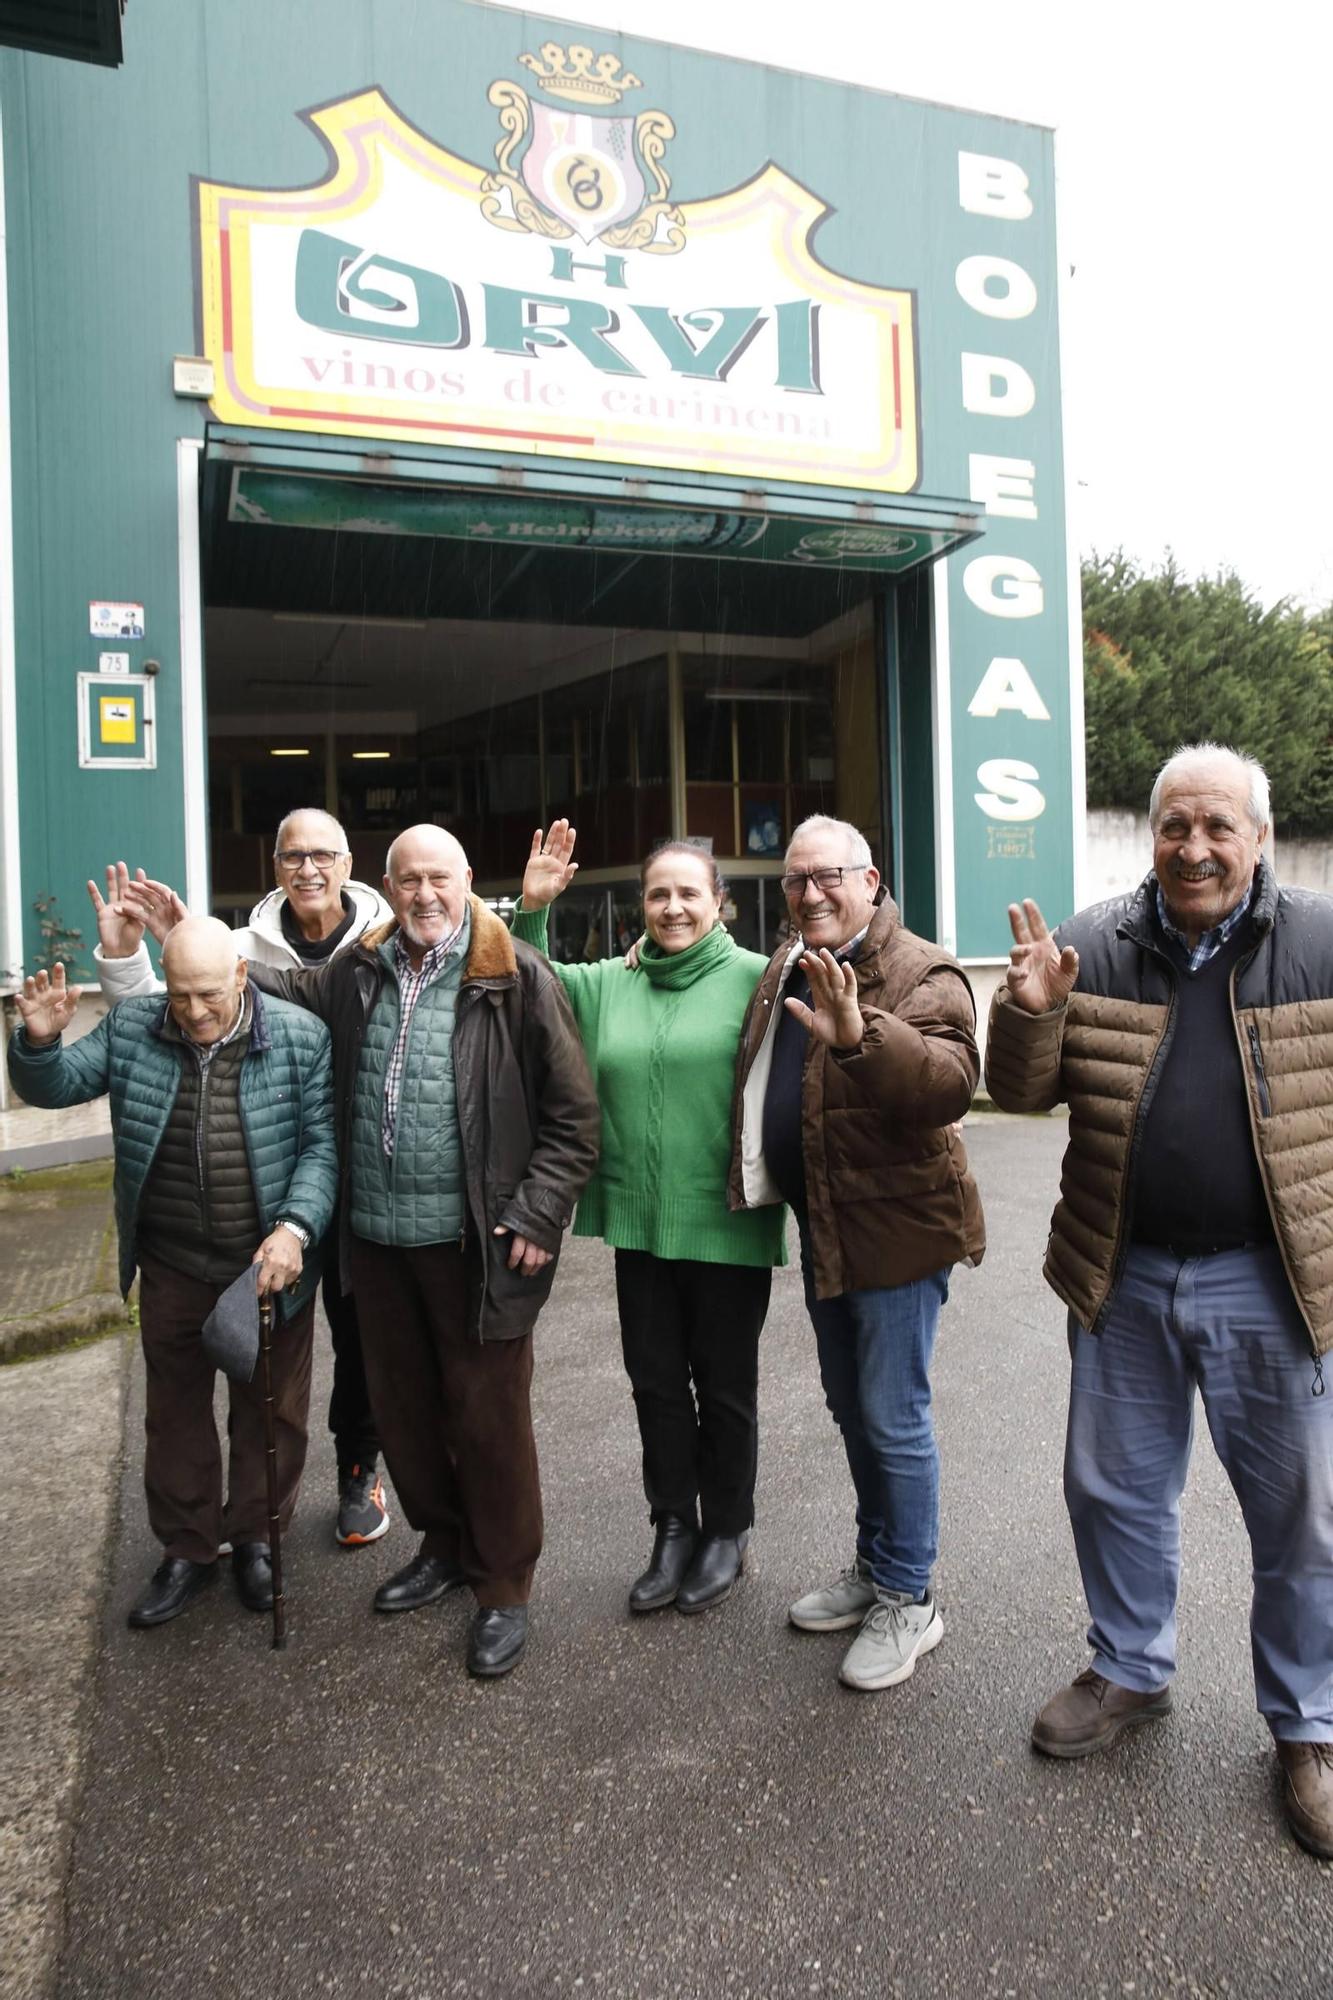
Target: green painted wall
[101,291]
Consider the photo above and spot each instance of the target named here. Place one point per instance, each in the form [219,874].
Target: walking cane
[271,1469]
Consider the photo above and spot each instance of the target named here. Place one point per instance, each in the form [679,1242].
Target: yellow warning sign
[116,714]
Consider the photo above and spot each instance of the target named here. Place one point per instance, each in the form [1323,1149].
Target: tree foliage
[1167,661]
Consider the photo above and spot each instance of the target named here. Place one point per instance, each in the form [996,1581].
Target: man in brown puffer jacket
[1189,1027]
[857,1058]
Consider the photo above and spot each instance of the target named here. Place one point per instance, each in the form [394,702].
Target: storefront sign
[1007,612]
[559,302]
[270,499]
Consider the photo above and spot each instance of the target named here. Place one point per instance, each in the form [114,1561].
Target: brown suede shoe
[1307,1794]
[1090,1713]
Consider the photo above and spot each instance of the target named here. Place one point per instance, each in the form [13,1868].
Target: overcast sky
[1196,206]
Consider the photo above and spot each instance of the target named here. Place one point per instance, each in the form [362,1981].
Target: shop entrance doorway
[491,685]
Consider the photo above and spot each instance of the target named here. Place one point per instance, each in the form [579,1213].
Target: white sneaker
[838,1606]
[894,1632]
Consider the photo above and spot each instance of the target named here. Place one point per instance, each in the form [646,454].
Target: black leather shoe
[496,1640]
[174,1585]
[425,1580]
[252,1567]
[718,1561]
[674,1544]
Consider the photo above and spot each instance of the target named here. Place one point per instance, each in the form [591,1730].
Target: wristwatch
[299,1231]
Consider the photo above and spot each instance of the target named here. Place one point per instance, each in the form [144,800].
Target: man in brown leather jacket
[1188,1027]
[857,1058]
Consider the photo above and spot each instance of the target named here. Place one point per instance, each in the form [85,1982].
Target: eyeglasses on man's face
[292,857]
[824,879]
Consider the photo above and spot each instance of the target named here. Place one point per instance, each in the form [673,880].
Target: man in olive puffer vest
[468,1128]
[1189,1028]
[222,1118]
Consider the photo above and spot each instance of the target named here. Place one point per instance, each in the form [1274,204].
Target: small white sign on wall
[115,621]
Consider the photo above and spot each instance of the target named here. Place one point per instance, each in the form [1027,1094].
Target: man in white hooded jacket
[314,912]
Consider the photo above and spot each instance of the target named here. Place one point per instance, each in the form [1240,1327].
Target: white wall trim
[11,871]
[194,722]
[946,901]
[1078,755]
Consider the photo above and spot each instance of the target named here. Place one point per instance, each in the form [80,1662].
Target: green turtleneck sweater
[661,1045]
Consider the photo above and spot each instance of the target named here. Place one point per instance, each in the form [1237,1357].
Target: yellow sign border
[360,132]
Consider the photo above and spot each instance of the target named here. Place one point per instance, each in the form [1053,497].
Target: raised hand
[1040,975]
[155,904]
[47,1005]
[119,930]
[550,869]
[835,1017]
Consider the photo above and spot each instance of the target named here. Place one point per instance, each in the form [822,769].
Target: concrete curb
[88,1318]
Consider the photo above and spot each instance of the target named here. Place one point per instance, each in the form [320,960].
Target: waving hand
[1040,975]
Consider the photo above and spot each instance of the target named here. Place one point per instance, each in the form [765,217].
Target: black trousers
[351,1419]
[690,1336]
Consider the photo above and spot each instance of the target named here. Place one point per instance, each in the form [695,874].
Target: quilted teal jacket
[286,1101]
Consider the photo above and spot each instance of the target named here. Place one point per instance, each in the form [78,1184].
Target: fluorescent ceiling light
[331,686]
[364,756]
[755,694]
[289,753]
[337,618]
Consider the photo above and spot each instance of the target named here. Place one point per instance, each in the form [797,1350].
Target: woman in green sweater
[692,1279]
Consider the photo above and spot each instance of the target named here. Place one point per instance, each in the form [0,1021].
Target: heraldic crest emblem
[576,167]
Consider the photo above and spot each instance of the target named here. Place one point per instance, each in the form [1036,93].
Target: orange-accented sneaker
[362,1514]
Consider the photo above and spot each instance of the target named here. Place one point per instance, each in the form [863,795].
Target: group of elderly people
[412,1087]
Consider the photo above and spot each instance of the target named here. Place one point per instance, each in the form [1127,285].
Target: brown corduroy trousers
[454,1416]
[183,1457]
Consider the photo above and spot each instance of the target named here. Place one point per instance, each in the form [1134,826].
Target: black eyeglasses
[823,879]
[292,857]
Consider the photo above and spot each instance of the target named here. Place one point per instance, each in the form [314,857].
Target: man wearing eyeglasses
[857,1057]
[314,911]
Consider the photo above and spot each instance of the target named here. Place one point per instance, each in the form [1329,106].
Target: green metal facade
[102,293]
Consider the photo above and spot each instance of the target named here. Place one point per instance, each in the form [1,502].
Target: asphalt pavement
[695,1807]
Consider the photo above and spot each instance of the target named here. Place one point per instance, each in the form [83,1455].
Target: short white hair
[1248,768]
[858,847]
[311,812]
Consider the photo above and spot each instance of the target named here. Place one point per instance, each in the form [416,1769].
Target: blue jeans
[1227,1325]
[874,1362]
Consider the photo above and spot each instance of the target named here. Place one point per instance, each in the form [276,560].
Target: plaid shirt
[412,983]
[1212,941]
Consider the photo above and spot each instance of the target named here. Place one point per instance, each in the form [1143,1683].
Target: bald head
[201,944]
[204,977]
[426,882]
[424,843]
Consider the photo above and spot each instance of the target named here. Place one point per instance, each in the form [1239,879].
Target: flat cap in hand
[231,1331]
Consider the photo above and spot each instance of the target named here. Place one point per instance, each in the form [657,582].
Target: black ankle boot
[673,1549]
[718,1561]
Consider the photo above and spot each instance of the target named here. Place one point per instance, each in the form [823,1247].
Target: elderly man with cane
[1188,1027]
[467,1128]
[222,1118]
[314,911]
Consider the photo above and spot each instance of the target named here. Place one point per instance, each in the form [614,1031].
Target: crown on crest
[579,75]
